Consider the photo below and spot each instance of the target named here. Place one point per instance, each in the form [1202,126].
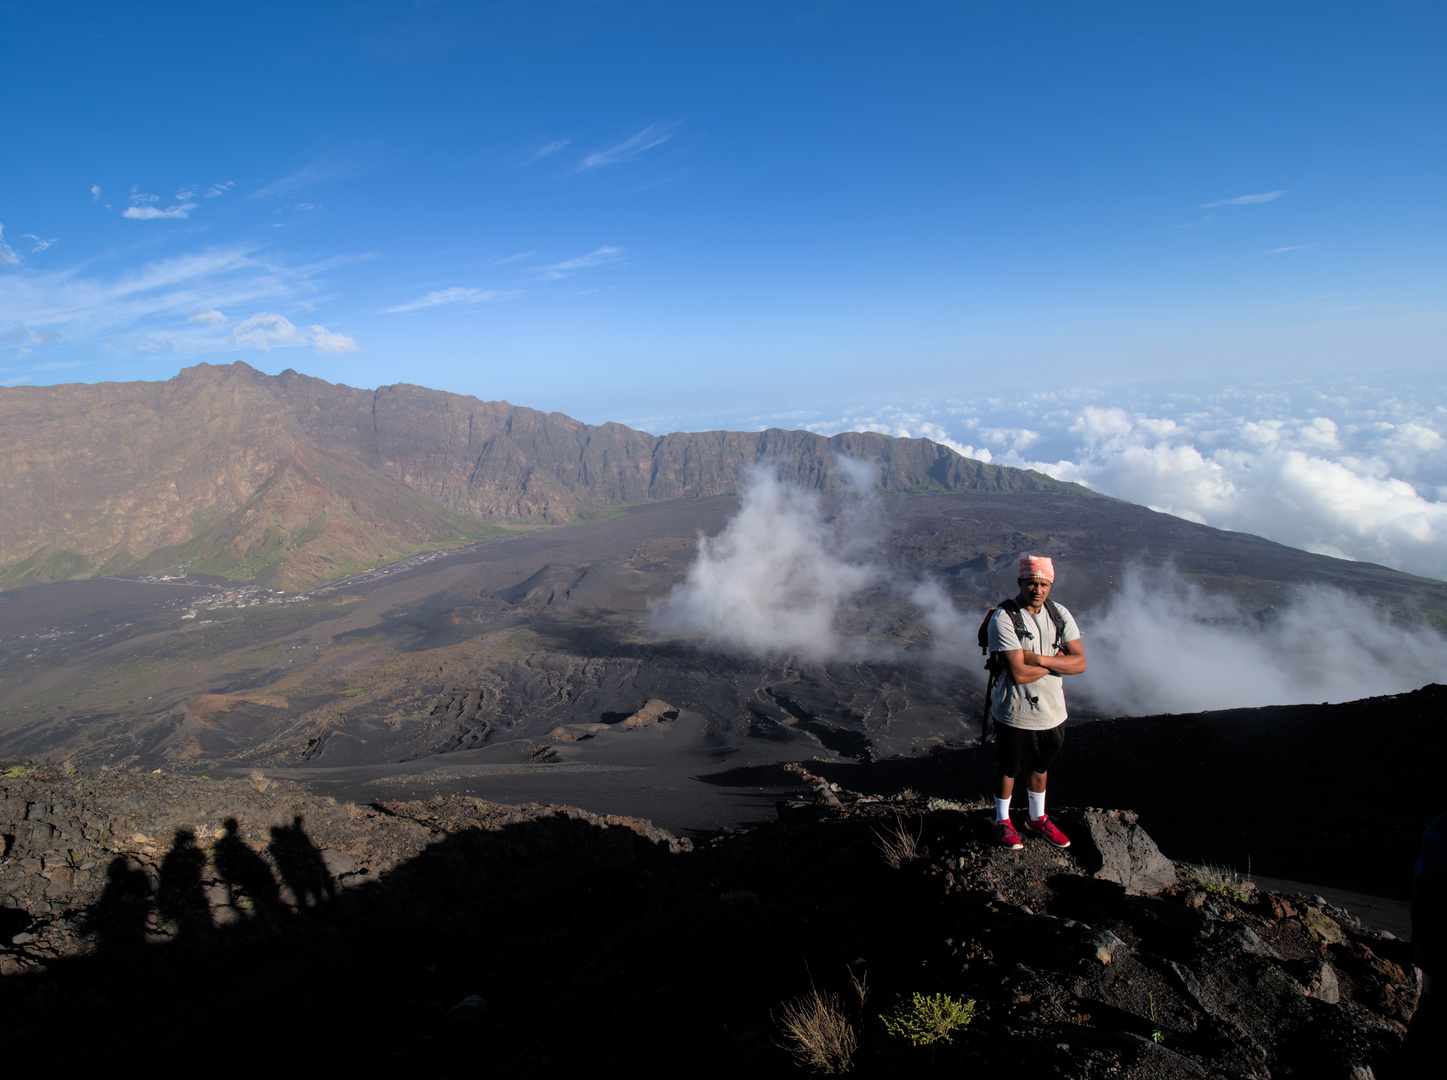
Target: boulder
[1321,926]
[1126,854]
[1318,980]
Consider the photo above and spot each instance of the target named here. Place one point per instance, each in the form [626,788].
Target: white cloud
[1360,473]
[150,213]
[455,295]
[94,192]
[265,331]
[598,257]
[651,136]
[39,244]
[1293,247]
[210,317]
[143,206]
[1246,200]
[220,189]
[327,343]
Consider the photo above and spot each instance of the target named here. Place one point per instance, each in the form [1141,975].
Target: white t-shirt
[1040,705]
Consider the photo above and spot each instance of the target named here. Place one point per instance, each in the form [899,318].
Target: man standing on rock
[1029,698]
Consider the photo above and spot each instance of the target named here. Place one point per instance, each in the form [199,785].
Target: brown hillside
[292,480]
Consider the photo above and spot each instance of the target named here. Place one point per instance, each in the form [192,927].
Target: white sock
[1037,805]
[1002,809]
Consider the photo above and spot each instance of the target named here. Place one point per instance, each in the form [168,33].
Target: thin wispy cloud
[8,257]
[20,334]
[1246,200]
[651,136]
[94,192]
[598,257]
[37,243]
[220,189]
[1293,247]
[318,172]
[546,151]
[160,299]
[454,295]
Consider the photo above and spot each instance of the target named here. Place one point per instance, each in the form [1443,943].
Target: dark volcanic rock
[456,936]
[1127,855]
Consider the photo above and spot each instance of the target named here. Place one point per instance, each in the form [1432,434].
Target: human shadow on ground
[247,949]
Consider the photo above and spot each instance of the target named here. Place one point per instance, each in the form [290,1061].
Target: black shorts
[1020,750]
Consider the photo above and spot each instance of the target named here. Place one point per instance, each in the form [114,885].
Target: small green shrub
[926,1019]
[16,772]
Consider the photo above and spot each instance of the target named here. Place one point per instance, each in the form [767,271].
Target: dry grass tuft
[897,844]
[818,1033]
[1222,881]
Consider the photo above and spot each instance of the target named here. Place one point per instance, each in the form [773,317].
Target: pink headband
[1036,566]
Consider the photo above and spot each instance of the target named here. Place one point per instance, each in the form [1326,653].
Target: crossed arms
[1027,667]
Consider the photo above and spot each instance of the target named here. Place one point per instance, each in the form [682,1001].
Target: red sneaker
[1046,828]
[1006,836]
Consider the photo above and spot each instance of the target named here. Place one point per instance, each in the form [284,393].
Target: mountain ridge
[290,480]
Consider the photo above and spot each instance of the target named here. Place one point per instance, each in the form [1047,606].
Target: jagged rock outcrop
[291,479]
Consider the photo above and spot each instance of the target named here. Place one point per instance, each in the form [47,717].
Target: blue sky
[963,220]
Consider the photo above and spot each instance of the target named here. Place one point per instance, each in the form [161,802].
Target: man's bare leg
[1005,785]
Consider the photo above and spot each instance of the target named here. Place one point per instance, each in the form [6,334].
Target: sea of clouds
[794,574]
[1338,468]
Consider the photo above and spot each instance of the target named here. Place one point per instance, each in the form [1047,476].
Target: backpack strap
[1012,607]
[1059,620]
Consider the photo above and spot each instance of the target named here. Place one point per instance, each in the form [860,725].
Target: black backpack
[995,664]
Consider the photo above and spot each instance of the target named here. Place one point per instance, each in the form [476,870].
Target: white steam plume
[785,577]
[778,577]
[1162,644]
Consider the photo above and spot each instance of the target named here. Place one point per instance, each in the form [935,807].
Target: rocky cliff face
[291,480]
